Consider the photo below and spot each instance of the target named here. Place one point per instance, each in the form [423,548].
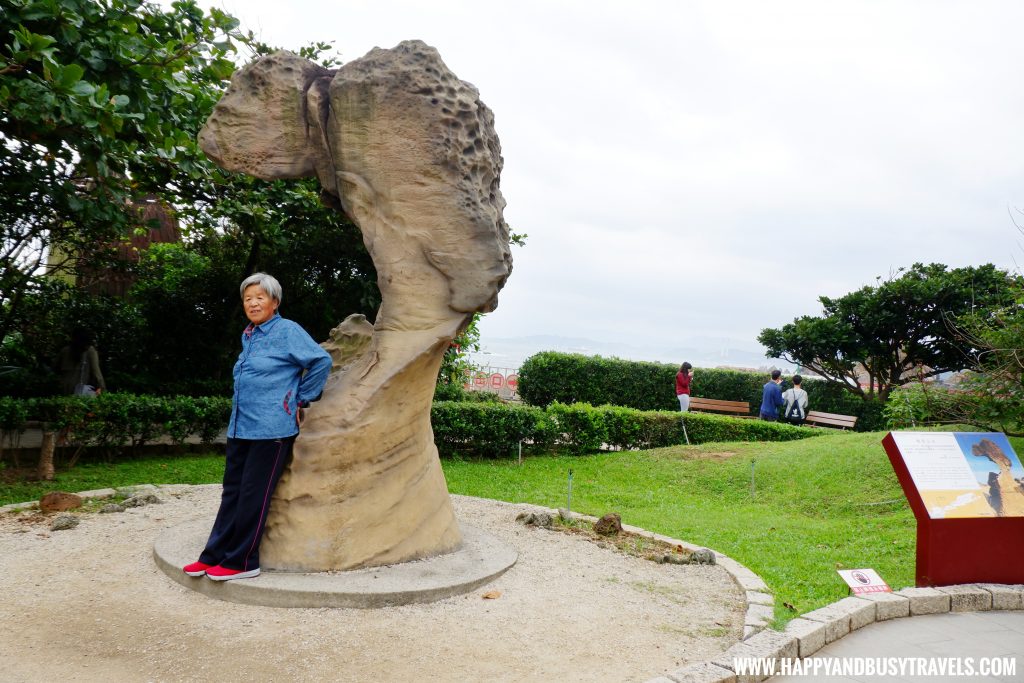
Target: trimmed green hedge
[115,419]
[474,428]
[551,376]
[495,430]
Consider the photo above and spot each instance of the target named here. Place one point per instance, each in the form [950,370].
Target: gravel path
[89,604]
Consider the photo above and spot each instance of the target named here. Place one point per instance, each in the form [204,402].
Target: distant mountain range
[701,352]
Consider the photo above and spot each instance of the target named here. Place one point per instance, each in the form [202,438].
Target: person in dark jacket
[771,397]
[278,373]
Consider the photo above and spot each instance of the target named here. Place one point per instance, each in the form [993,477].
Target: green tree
[101,102]
[996,384]
[899,330]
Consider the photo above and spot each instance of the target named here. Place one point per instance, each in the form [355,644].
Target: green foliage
[551,376]
[997,380]
[113,420]
[456,365]
[483,429]
[102,103]
[921,405]
[495,429]
[896,331]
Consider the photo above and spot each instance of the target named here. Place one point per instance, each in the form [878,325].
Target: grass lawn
[818,505]
[86,476]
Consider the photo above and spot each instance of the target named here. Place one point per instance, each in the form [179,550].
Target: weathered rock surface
[64,522]
[609,525]
[348,341]
[59,501]
[409,152]
[542,519]
[140,500]
[111,507]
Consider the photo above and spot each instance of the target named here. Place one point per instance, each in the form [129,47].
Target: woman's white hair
[268,283]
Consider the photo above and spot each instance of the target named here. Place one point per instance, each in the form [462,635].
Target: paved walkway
[952,637]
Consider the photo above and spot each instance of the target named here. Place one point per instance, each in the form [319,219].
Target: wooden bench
[713,405]
[818,419]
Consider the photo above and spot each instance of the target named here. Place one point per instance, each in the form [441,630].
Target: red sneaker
[196,568]
[220,573]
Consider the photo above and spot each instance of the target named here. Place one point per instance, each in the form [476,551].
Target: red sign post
[969,506]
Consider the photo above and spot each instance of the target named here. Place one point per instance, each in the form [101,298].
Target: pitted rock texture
[409,152]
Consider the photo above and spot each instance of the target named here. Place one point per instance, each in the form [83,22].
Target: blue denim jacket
[269,384]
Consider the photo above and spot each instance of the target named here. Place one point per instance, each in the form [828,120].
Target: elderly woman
[280,370]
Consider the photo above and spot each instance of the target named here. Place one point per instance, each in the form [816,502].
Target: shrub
[114,420]
[483,428]
[495,430]
[551,376]
[918,404]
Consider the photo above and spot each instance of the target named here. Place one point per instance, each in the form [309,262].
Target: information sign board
[967,492]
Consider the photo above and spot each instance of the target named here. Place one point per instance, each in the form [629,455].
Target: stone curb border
[103,494]
[810,632]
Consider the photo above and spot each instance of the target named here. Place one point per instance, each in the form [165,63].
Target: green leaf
[69,75]
[83,89]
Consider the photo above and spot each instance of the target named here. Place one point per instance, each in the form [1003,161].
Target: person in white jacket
[795,407]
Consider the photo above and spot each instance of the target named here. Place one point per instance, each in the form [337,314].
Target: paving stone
[967,598]
[751,630]
[767,644]
[836,620]
[759,615]
[925,600]
[1005,596]
[888,605]
[705,672]
[669,540]
[748,580]
[810,635]
[759,598]
[660,679]
[862,612]
[98,494]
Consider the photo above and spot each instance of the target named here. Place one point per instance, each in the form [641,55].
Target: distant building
[159,226]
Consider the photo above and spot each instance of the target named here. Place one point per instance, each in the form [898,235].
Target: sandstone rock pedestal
[409,152]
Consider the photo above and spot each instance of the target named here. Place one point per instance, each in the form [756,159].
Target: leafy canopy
[901,329]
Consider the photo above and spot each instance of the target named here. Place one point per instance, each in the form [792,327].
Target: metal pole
[753,491]
[685,435]
[568,504]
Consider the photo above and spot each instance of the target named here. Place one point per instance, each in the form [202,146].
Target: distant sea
[702,352]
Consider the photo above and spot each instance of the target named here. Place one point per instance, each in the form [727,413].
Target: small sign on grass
[864,581]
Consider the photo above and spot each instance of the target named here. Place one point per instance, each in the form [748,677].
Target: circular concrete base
[480,559]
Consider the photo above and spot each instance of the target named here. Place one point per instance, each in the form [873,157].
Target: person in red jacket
[683,378]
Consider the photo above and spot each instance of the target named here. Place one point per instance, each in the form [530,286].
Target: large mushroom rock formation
[1005,494]
[409,152]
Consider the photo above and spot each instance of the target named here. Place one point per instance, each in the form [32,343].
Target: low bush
[114,420]
[484,429]
[496,430]
[567,378]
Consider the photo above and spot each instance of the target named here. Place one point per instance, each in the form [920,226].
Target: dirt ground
[89,604]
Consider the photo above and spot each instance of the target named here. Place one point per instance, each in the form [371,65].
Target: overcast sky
[708,169]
